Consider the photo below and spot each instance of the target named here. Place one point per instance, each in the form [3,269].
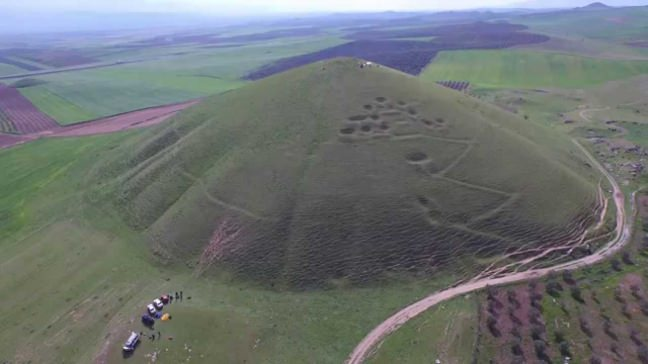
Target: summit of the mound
[344,171]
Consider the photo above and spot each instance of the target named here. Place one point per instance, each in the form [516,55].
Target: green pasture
[447,332]
[529,69]
[60,109]
[75,280]
[8,69]
[613,24]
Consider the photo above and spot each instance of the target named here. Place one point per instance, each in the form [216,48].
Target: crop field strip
[56,106]
[23,65]
[21,113]
[529,69]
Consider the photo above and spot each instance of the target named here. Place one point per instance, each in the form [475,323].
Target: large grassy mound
[337,174]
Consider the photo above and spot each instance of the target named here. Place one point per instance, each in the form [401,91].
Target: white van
[132,341]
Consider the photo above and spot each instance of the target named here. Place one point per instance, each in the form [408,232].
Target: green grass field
[167,75]
[60,109]
[611,24]
[85,305]
[447,332]
[529,69]
[8,69]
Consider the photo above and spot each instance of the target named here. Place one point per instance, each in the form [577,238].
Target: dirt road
[130,120]
[584,113]
[622,236]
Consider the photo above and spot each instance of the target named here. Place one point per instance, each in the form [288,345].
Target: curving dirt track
[130,120]
[622,236]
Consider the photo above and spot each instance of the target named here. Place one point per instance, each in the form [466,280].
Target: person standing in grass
[180,295]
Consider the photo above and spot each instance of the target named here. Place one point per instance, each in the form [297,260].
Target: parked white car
[151,309]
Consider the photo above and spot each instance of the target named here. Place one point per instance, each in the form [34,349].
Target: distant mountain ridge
[566,4]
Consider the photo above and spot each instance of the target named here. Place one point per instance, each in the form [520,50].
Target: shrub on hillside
[537,332]
[595,298]
[577,295]
[595,360]
[541,350]
[642,353]
[644,307]
[516,348]
[616,265]
[636,292]
[609,331]
[635,336]
[627,259]
[535,316]
[512,298]
[568,277]
[564,349]
[514,319]
[491,323]
[586,328]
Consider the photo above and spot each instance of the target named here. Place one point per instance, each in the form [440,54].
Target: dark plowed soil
[22,114]
[412,56]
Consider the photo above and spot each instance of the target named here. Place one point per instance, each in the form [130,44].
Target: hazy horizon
[261,7]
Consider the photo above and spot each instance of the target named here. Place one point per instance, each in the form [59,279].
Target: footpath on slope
[130,120]
[623,233]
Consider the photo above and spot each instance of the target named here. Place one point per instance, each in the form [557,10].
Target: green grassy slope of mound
[336,174]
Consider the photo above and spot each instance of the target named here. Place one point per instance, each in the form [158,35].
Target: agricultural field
[18,114]
[411,56]
[529,69]
[174,76]
[617,24]
[58,108]
[9,69]
[595,315]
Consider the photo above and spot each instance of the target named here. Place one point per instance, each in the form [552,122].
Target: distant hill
[596,6]
[341,172]
[567,4]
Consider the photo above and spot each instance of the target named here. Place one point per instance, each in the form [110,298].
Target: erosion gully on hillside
[622,236]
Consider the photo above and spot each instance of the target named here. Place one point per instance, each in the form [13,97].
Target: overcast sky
[263,6]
